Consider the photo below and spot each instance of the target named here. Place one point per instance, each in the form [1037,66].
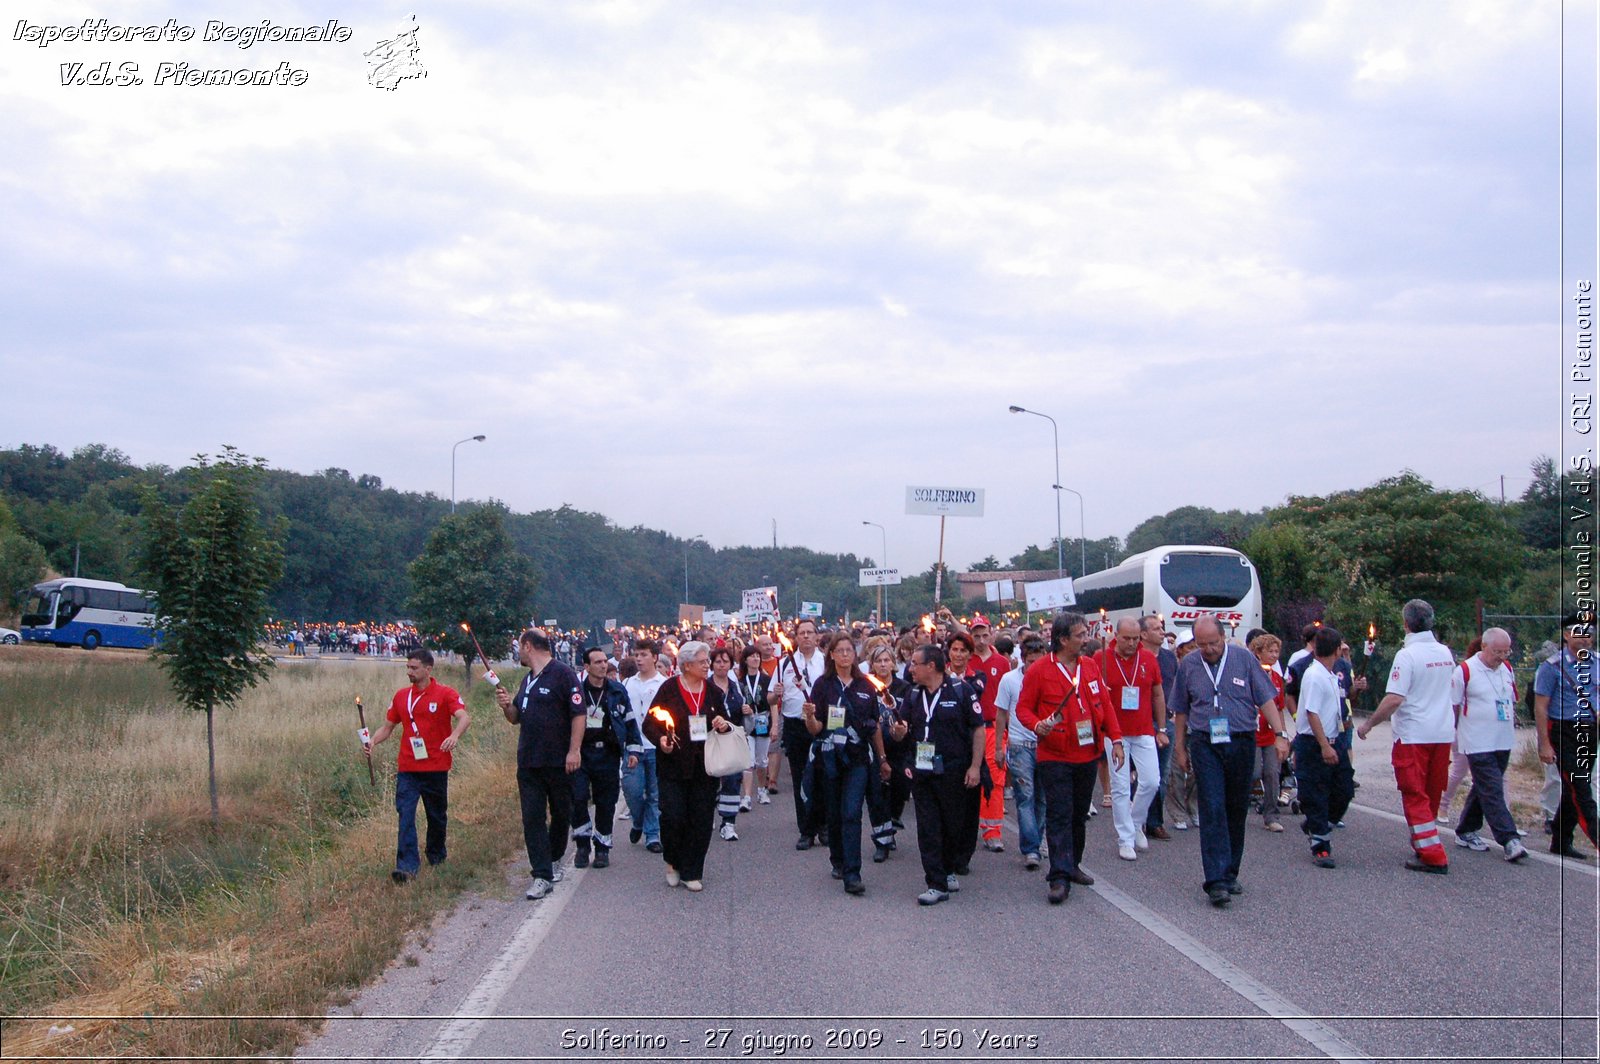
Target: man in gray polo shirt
[1215,699]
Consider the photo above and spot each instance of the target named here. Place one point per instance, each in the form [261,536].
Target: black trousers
[941,816]
[810,815]
[598,776]
[546,797]
[1574,743]
[1068,789]
[687,809]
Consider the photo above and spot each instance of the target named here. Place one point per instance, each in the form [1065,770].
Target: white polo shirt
[1421,677]
[641,693]
[798,679]
[1319,694]
[1488,722]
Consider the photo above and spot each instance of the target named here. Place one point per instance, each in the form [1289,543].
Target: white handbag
[727,752]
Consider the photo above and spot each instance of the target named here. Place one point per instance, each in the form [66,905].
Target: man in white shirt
[1322,765]
[1418,699]
[639,781]
[1018,748]
[791,689]
[1484,693]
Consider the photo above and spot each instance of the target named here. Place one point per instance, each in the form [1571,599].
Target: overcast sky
[700,266]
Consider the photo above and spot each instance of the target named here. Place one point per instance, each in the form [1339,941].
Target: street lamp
[883,562]
[458,443]
[1056,436]
[1082,565]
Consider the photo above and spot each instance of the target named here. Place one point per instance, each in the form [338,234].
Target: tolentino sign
[944,502]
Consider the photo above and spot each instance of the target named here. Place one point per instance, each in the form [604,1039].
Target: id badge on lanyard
[1219,720]
[836,717]
[1085,732]
[1130,699]
[419,749]
[1219,730]
[697,728]
[595,718]
[1502,709]
[925,757]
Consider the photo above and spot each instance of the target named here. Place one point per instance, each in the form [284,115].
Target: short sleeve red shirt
[1142,676]
[1264,733]
[425,715]
[993,669]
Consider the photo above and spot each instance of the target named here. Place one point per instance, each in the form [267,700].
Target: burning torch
[488,671]
[366,740]
[663,718]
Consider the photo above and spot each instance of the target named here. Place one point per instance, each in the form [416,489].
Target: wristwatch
[1281,734]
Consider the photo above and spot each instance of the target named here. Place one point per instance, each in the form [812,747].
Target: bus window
[1207,580]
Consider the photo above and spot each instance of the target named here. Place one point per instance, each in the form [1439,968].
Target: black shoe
[880,855]
[653,847]
[1080,877]
[402,877]
[853,885]
[804,842]
[898,826]
[1234,887]
[1058,892]
[1418,865]
[1219,896]
[838,873]
[634,835]
[580,859]
[602,857]
[1570,851]
[1322,860]
[964,870]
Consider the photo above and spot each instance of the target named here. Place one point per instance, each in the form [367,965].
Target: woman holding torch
[685,708]
[842,716]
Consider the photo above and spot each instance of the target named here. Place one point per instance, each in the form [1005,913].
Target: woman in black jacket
[685,708]
[842,717]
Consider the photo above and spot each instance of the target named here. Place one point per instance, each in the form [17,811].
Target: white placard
[1050,594]
[758,602]
[1008,590]
[991,591]
[811,609]
[611,624]
[550,622]
[879,577]
[715,617]
[944,501]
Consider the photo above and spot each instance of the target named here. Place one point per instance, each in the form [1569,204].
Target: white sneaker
[541,888]
[744,805]
[1141,841]
[1515,851]
[1126,853]
[694,885]
[761,796]
[727,833]
[672,877]
[556,875]
[1030,860]
[1182,825]
[1471,840]
[623,814]
[1092,810]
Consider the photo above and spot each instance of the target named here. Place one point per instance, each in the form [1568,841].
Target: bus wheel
[91,640]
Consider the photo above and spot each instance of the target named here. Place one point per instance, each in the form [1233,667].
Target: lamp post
[883,562]
[1056,436]
[1083,566]
[458,443]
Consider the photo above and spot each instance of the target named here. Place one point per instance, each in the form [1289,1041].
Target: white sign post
[943,502]
[879,577]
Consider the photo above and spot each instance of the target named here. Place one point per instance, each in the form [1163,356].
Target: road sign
[550,622]
[1051,594]
[944,501]
[879,577]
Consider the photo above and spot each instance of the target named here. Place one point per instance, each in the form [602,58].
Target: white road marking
[1542,858]
[1292,1016]
[457,1035]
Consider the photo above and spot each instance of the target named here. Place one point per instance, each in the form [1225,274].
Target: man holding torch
[434,719]
[549,708]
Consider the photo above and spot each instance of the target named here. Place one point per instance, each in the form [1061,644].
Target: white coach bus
[1180,583]
[89,614]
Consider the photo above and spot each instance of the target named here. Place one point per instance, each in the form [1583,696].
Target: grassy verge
[117,899]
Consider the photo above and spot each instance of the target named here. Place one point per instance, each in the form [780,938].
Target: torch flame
[663,718]
[783,641]
[927,623]
[1372,631]
[875,682]
[465,627]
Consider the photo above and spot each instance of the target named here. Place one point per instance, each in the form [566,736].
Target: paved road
[1363,962]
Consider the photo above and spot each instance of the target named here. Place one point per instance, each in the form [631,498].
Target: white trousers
[1128,812]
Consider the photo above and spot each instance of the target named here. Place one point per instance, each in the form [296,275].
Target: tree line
[348,544]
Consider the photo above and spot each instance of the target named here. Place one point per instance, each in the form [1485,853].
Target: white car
[10,636]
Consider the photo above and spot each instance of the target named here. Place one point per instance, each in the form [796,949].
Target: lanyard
[693,702]
[930,702]
[752,688]
[594,703]
[1216,677]
[1127,681]
[411,704]
[1070,677]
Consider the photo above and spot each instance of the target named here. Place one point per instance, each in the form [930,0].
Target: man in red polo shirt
[1133,680]
[993,666]
[1064,703]
[432,718]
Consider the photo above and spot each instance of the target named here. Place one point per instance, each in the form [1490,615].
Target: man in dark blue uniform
[608,730]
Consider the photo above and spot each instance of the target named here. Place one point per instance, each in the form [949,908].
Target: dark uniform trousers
[544,792]
[597,776]
[1574,743]
[941,804]
[810,811]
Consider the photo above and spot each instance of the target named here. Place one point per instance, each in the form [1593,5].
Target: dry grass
[118,900]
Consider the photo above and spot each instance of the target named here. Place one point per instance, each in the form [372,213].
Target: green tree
[469,572]
[212,563]
[22,564]
[1199,525]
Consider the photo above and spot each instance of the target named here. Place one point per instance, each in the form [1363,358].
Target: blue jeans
[844,781]
[1026,798]
[434,790]
[1154,818]
[643,793]
[1222,774]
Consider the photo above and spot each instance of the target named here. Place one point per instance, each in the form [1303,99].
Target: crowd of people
[375,639]
[1193,730]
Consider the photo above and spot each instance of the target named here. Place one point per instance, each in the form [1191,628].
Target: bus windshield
[37,612]
[1207,580]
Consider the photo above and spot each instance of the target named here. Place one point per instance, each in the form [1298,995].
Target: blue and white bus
[1181,583]
[88,614]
